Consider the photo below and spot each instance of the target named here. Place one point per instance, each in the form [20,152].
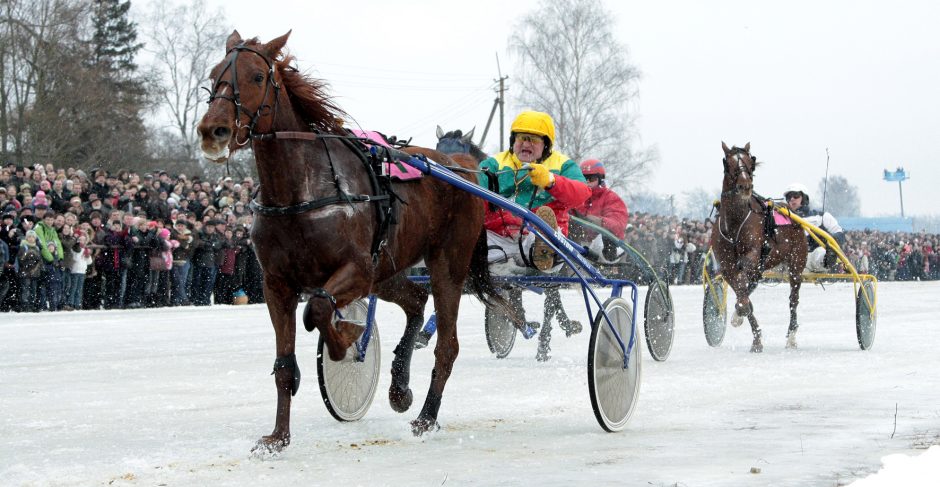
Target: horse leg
[552,301]
[411,298]
[345,285]
[447,277]
[796,279]
[743,286]
[282,302]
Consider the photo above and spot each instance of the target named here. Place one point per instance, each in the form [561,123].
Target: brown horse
[321,227]
[745,248]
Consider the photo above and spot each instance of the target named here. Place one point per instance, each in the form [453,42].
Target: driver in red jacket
[603,208]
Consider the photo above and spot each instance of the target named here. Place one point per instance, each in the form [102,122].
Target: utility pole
[499,102]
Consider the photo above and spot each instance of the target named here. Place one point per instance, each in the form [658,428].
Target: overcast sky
[860,78]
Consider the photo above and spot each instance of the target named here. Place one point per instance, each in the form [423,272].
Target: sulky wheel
[349,385]
[866,317]
[659,321]
[614,389]
[500,332]
[714,312]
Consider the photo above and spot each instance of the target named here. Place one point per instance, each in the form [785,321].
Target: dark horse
[316,224]
[745,242]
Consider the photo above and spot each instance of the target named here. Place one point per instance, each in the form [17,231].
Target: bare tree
[34,35]
[571,66]
[699,203]
[184,39]
[841,197]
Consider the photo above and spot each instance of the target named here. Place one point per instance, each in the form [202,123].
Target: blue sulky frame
[572,253]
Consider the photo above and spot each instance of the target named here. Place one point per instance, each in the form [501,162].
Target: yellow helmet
[538,123]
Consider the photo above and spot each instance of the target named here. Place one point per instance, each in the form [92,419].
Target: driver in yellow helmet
[543,180]
[538,177]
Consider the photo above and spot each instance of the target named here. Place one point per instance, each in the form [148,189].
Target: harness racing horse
[744,249]
[456,144]
[318,229]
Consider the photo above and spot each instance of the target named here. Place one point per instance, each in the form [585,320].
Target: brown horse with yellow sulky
[746,241]
[329,226]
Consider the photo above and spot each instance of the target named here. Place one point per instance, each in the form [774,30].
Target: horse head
[739,166]
[244,96]
[456,142]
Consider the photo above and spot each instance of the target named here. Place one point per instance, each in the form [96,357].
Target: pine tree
[115,39]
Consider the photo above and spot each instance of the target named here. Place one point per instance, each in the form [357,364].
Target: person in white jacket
[81,259]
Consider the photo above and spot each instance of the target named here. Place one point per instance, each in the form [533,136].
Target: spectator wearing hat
[112,263]
[100,184]
[60,196]
[182,257]
[229,278]
[75,206]
[141,232]
[159,209]
[95,204]
[161,263]
[79,261]
[51,285]
[18,177]
[205,267]
[29,260]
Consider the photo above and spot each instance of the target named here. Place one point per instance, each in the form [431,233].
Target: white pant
[814,261]
[504,255]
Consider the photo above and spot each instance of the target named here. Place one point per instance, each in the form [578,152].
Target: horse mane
[310,98]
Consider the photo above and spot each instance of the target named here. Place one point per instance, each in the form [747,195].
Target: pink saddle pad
[401,171]
[780,219]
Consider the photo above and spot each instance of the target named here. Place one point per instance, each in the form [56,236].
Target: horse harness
[371,157]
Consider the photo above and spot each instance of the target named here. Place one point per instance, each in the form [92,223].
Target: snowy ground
[179,396]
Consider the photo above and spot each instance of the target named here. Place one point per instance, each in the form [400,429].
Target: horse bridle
[235,98]
[736,153]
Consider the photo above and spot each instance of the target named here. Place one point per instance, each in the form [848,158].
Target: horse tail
[480,281]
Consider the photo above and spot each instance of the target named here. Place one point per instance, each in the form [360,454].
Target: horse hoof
[269,446]
[736,320]
[422,426]
[400,400]
[757,347]
[791,342]
[349,332]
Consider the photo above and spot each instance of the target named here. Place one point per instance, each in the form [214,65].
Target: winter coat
[80,259]
[117,246]
[569,191]
[606,204]
[206,249]
[30,261]
[48,234]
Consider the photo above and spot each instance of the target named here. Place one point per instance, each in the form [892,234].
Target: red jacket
[606,204]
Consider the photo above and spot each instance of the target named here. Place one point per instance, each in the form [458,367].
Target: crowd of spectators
[676,247]
[75,240]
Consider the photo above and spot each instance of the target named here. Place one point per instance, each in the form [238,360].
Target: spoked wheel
[866,317]
[659,321]
[349,385]
[614,389]
[500,332]
[714,312]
